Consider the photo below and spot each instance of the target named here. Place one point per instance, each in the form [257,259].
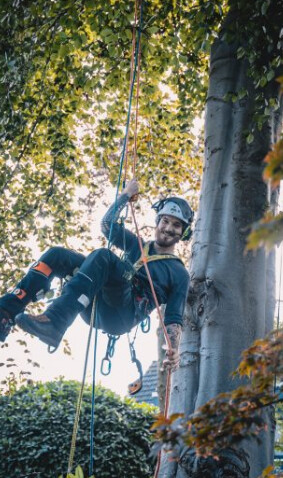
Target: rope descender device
[135,386]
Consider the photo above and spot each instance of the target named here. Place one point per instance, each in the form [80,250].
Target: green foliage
[64,83]
[231,416]
[63,88]
[37,424]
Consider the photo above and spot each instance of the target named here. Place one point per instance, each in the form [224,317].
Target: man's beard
[164,241]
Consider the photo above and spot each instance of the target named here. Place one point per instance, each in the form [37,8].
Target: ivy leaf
[264,7]
[250,138]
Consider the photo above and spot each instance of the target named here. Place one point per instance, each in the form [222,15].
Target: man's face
[169,231]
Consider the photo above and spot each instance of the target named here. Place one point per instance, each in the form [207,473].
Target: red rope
[167,339]
[143,257]
[166,407]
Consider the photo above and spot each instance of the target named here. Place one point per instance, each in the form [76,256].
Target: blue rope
[91,457]
[91,447]
[127,123]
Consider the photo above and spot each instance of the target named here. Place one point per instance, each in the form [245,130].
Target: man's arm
[174,316]
[172,356]
[109,224]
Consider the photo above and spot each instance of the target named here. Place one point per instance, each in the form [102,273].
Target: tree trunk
[231,301]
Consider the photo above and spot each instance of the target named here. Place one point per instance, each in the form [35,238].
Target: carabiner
[145,325]
[104,371]
[112,339]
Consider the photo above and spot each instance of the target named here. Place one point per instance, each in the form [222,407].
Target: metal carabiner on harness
[145,325]
[105,371]
[105,367]
[112,339]
[135,386]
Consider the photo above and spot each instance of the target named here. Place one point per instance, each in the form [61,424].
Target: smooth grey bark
[231,302]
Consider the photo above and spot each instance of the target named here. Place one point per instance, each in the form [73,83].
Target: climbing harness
[148,258]
[105,368]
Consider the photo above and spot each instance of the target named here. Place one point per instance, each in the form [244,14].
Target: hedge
[36,429]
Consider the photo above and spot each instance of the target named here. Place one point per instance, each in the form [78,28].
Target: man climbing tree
[79,56]
[121,287]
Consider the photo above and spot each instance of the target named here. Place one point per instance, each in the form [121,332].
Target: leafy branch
[228,418]
[269,230]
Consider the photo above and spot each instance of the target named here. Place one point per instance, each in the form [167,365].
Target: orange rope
[167,339]
[166,407]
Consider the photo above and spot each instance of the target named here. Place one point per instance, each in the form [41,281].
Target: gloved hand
[131,188]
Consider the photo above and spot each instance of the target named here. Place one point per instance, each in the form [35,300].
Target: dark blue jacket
[169,276]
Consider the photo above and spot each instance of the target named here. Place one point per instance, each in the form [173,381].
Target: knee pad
[19,293]
[42,268]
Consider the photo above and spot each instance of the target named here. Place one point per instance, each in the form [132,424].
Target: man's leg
[101,267]
[56,262]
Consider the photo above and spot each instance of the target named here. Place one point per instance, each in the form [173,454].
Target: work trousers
[101,274]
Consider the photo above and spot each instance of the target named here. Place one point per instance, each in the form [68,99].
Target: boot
[6,323]
[40,326]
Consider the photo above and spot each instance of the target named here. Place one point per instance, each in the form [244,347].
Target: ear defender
[187,234]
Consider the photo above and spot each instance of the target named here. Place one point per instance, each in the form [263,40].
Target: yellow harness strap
[154,257]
